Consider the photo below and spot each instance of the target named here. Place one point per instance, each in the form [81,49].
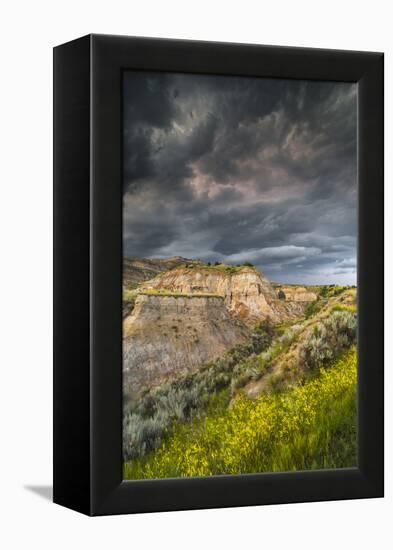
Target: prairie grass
[129,294]
[345,307]
[307,426]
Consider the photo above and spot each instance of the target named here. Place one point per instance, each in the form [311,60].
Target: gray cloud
[239,169]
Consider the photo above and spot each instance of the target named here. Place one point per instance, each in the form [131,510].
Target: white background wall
[28,31]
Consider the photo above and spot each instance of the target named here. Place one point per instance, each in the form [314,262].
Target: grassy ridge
[303,427]
[225,268]
[132,294]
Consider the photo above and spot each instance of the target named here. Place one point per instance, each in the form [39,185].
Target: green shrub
[324,292]
[328,339]
[312,308]
[142,435]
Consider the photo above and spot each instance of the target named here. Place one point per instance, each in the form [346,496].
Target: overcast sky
[236,169]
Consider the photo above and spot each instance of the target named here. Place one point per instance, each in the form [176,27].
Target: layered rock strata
[168,336]
[247,293]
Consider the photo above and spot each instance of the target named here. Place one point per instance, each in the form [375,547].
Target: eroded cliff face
[298,294]
[247,293]
[168,336]
[191,314]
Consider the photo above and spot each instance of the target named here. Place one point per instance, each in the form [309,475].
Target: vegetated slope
[303,427]
[137,270]
[328,330]
[247,293]
[149,418]
[167,336]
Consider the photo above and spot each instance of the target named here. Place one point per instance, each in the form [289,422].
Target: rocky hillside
[193,411]
[167,336]
[295,293]
[137,270]
[247,293]
[286,362]
[179,314]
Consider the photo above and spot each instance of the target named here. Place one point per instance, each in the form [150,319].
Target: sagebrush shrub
[142,435]
[328,339]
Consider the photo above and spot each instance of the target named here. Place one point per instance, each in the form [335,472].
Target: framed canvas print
[218,275]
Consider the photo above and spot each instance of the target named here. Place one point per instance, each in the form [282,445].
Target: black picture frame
[88,275]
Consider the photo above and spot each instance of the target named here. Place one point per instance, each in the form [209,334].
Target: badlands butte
[179,314]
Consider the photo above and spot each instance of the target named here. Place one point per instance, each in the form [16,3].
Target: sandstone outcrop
[167,336]
[298,294]
[247,293]
[190,313]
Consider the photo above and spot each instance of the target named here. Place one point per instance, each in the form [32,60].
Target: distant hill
[137,270]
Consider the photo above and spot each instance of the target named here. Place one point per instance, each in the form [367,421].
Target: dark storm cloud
[239,169]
